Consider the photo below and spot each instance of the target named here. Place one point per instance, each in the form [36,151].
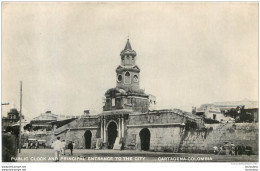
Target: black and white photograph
[156,82]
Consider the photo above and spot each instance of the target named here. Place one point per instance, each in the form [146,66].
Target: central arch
[88,136]
[111,134]
[145,139]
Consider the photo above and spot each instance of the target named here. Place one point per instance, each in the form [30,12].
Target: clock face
[119,78]
[135,78]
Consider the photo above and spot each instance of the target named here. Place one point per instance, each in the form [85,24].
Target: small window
[113,102]
[127,78]
[119,78]
[135,78]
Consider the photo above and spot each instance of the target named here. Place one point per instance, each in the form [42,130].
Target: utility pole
[20,128]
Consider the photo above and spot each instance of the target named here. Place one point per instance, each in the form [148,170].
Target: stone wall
[169,131]
[165,130]
[75,130]
[203,141]
[155,118]
[161,139]
[164,117]
[88,121]
[77,136]
[167,136]
[140,104]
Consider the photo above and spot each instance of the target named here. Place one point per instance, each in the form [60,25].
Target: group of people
[231,150]
[60,147]
[34,144]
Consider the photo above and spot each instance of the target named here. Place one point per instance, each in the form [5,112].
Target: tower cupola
[128,71]
[128,55]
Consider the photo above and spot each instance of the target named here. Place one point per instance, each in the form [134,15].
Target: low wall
[203,141]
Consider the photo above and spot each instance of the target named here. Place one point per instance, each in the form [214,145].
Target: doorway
[111,134]
[88,136]
[145,139]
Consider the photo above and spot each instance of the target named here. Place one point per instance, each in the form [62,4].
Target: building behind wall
[11,119]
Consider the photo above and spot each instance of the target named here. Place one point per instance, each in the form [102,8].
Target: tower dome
[128,50]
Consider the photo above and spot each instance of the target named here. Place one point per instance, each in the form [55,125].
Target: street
[89,155]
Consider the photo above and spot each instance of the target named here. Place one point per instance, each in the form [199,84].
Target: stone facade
[203,141]
[76,131]
[129,115]
[166,128]
[129,120]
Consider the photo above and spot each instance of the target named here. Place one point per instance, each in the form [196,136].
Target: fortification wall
[161,138]
[156,118]
[166,130]
[75,131]
[203,141]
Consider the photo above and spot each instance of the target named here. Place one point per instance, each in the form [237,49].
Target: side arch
[145,137]
[88,138]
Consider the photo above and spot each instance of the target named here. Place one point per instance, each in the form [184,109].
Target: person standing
[215,149]
[57,147]
[9,147]
[220,150]
[70,146]
[232,149]
[33,144]
[236,150]
[63,147]
[36,144]
[73,143]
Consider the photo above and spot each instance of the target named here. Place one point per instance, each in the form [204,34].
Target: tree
[27,127]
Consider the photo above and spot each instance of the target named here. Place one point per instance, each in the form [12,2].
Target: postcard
[173,82]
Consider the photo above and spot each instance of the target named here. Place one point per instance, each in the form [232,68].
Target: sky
[66,53]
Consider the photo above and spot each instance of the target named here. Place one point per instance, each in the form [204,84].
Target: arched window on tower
[127,78]
[127,60]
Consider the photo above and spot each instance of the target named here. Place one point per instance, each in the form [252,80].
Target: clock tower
[128,72]
[127,94]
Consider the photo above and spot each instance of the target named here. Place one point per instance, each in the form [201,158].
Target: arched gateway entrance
[145,139]
[88,136]
[111,134]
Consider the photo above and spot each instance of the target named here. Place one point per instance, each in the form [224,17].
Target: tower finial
[128,45]
[128,36]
